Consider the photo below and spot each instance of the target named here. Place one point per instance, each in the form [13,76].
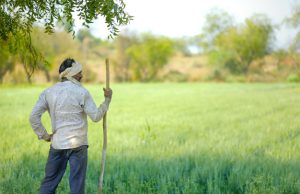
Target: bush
[293,78]
[233,79]
[175,76]
[217,75]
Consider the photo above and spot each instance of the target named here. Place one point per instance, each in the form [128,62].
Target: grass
[169,138]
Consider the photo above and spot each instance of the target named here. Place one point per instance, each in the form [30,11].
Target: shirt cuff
[107,100]
[44,136]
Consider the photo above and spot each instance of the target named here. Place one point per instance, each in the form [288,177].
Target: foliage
[17,18]
[83,34]
[175,76]
[20,15]
[200,138]
[280,55]
[182,45]
[149,55]
[122,61]
[44,44]
[293,78]
[19,49]
[216,22]
[6,60]
[294,21]
[237,47]
[54,48]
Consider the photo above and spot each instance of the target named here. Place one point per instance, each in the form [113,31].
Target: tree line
[230,47]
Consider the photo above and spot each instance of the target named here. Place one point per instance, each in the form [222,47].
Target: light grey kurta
[68,104]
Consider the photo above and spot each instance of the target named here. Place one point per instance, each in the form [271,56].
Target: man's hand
[107,93]
[48,139]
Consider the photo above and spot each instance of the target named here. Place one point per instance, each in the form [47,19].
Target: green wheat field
[169,138]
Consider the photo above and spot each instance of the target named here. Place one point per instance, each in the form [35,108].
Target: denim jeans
[56,167]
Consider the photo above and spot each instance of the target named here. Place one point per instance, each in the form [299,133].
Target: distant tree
[89,43]
[294,21]
[53,48]
[182,45]
[84,33]
[238,46]
[149,55]
[18,49]
[43,43]
[280,55]
[6,59]
[122,59]
[216,22]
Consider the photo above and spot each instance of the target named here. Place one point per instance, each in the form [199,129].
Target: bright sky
[179,18]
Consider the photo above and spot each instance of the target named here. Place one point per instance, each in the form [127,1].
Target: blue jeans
[56,167]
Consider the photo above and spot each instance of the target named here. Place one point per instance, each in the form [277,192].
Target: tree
[17,18]
[183,45]
[86,33]
[53,47]
[6,60]
[20,15]
[148,56]
[294,21]
[122,60]
[89,43]
[239,46]
[280,55]
[18,49]
[83,34]
[216,22]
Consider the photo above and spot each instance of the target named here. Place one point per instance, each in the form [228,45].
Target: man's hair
[66,64]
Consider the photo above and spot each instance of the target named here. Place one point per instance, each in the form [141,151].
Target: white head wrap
[71,71]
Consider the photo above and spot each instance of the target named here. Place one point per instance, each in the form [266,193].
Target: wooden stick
[100,185]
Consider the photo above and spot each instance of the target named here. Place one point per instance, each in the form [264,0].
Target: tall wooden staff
[104,136]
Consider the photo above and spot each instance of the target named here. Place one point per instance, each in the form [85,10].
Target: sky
[183,18]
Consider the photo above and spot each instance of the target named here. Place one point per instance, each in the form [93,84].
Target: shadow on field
[181,174]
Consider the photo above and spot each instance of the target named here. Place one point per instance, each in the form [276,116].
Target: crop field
[168,138]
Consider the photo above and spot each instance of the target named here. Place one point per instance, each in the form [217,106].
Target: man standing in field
[68,104]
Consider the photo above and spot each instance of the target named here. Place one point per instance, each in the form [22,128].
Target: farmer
[68,104]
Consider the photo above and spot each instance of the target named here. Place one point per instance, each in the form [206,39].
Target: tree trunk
[126,77]
[2,73]
[246,67]
[1,77]
[47,75]
[28,72]
[46,72]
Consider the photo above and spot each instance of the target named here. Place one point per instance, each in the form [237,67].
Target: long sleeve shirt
[68,104]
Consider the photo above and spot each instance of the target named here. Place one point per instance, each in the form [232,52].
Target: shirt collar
[74,81]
